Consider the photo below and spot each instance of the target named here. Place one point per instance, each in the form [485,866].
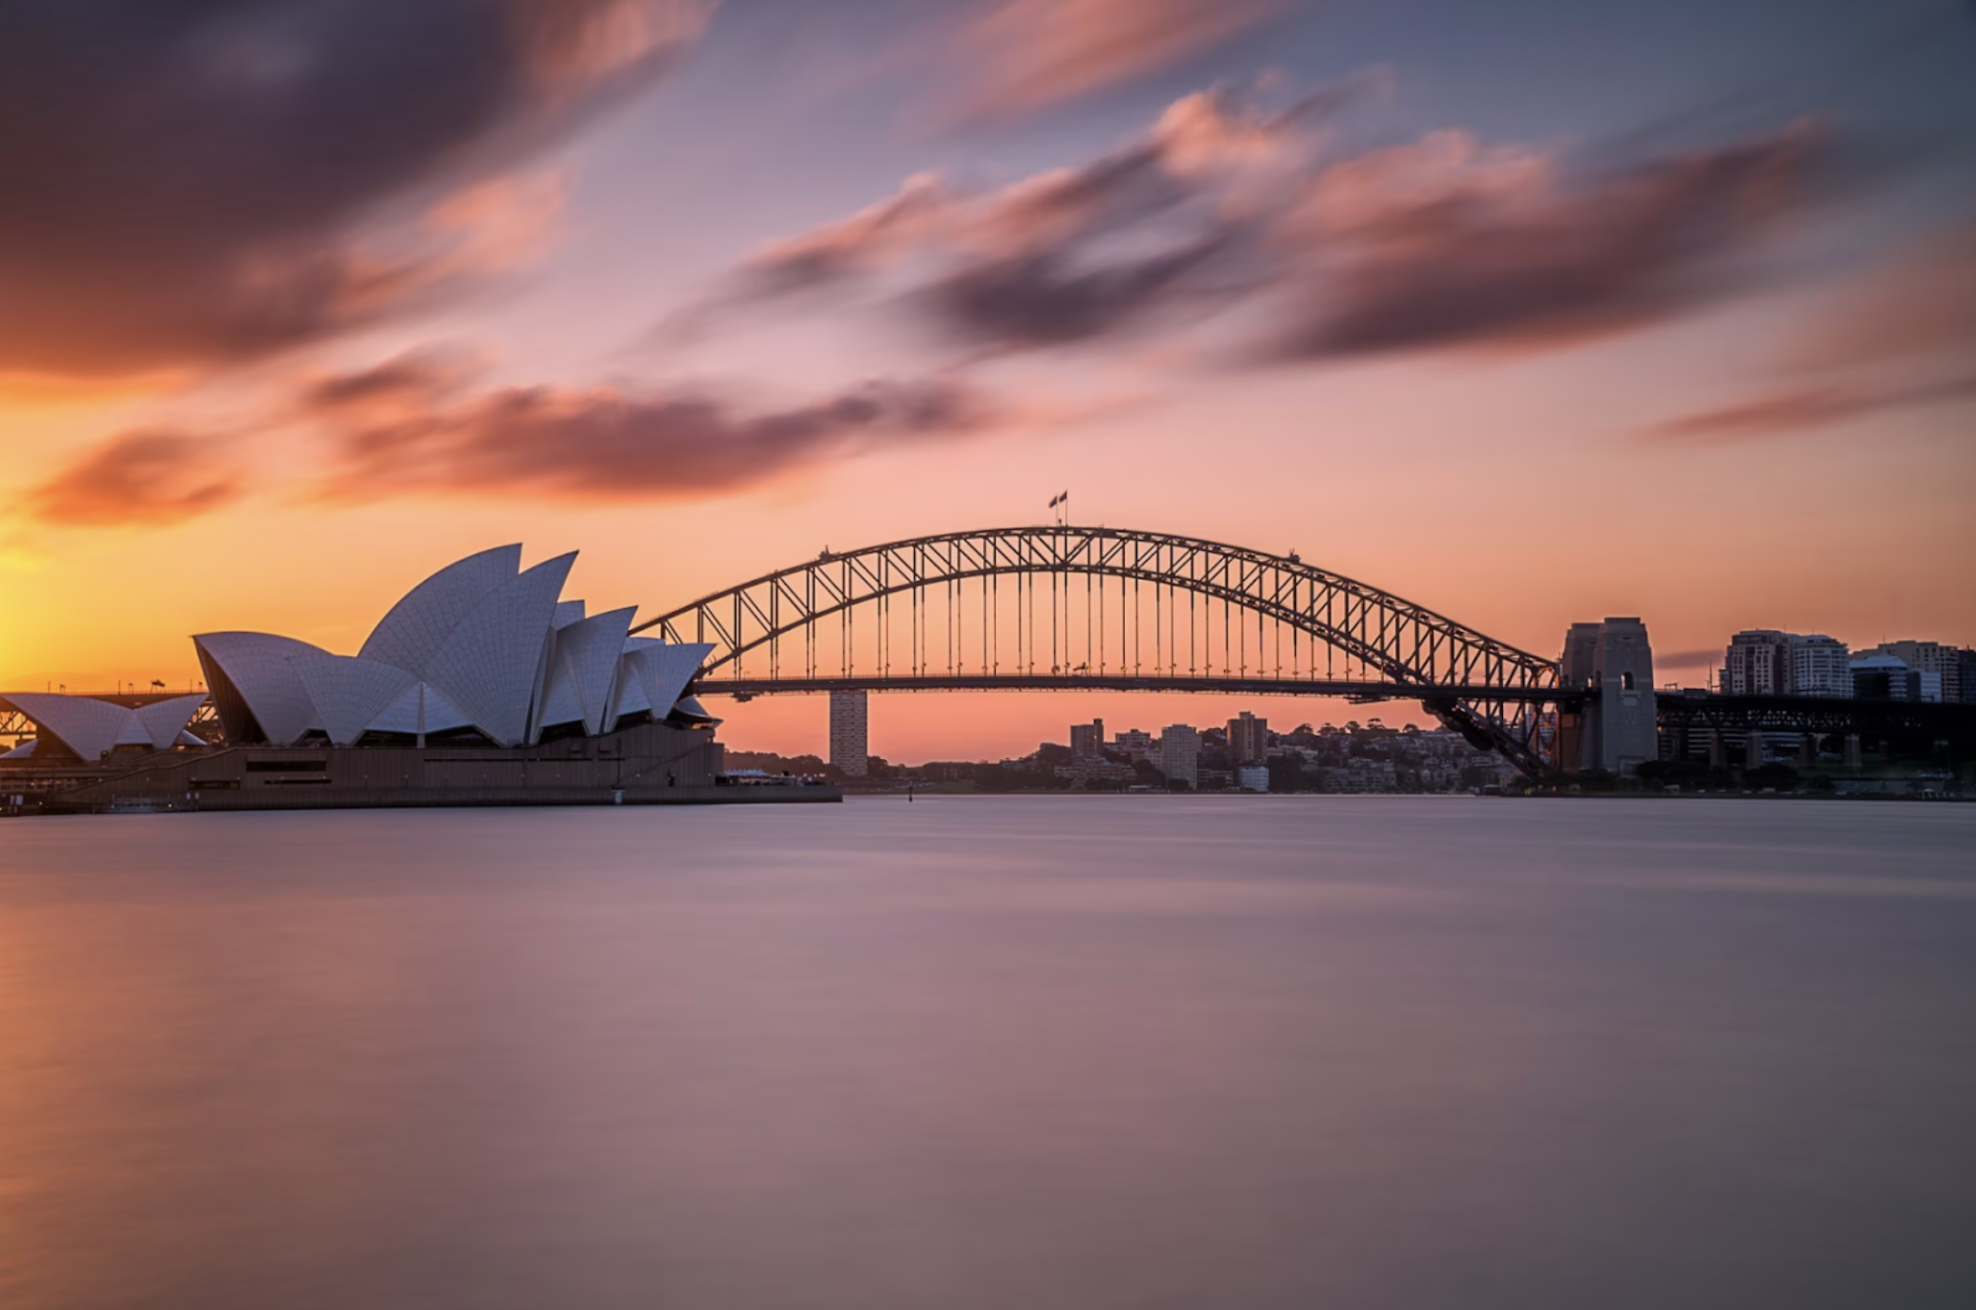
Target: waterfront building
[1945,662]
[1886,677]
[1252,777]
[848,724]
[1757,663]
[1767,662]
[88,728]
[1135,743]
[1087,740]
[1819,666]
[481,686]
[1248,740]
[1180,754]
[481,651]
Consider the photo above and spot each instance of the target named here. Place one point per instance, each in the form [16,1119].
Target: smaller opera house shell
[482,650]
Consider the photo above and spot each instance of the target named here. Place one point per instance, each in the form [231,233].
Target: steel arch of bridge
[1490,691]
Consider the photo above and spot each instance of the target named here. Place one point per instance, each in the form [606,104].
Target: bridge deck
[1367,691]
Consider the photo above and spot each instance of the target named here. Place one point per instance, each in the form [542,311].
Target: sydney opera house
[481,686]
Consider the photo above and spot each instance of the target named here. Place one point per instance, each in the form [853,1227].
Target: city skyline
[707,289]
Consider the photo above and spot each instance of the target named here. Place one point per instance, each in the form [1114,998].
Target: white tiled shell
[662,672]
[85,725]
[584,670]
[350,692]
[690,706]
[411,636]
[24,751]
[492,661]
[164,721]
[441,715]
[630,694]
[568,612]
[254,665]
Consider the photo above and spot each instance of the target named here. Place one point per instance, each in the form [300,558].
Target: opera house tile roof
[482,644]
[482,649]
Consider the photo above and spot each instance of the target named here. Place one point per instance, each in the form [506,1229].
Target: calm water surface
[979,1052]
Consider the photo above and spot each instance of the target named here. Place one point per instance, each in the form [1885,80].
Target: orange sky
[700,334]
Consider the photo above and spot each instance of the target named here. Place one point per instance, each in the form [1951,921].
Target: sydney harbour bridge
[1061,607]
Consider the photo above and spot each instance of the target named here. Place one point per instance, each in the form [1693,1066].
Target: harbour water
[993,1052]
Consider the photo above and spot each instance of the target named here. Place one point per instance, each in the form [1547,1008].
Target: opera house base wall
[650,764]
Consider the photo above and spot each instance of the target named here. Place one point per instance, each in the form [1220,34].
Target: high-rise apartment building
[1757,663]
[1819,666]
[1248,740]
[847,733]
[1180,755]
[1765,662]
[1134,742]
[1087,740]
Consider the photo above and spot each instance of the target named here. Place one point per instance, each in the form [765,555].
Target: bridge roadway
[1363,692]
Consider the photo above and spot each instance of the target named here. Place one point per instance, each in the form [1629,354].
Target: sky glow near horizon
[1529,312]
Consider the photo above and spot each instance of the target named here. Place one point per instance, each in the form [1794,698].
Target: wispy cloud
[1228,202]
[1024,55]
[1788,412]
[139,479]
[410,427]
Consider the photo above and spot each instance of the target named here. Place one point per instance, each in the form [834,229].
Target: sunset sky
[1528,311]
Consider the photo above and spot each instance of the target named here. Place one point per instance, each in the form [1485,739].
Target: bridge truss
[1061,607]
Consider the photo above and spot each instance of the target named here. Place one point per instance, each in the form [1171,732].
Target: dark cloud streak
[186,182]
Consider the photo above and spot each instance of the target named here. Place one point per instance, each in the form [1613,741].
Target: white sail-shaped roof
[257,693]
[411,636]
[583,672]
[85,726]
[492,662]
[350,692]
[24,751]
[403,715]
[568,612]
[662,672]
[164,721]
[630,692]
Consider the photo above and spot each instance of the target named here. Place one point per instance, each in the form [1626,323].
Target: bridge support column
[848,732]
[1808,750]
[1855,756]
[1718,750]
[1753,750]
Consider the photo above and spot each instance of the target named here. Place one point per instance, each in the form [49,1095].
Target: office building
[1180,755]
[847,733]
[1087,740]
[1248,740]
[1885,677]
[1945,662]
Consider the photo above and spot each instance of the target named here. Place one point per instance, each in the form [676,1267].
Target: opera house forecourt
[482,686]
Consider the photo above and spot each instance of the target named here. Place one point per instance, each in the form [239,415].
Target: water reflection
[992,1051]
